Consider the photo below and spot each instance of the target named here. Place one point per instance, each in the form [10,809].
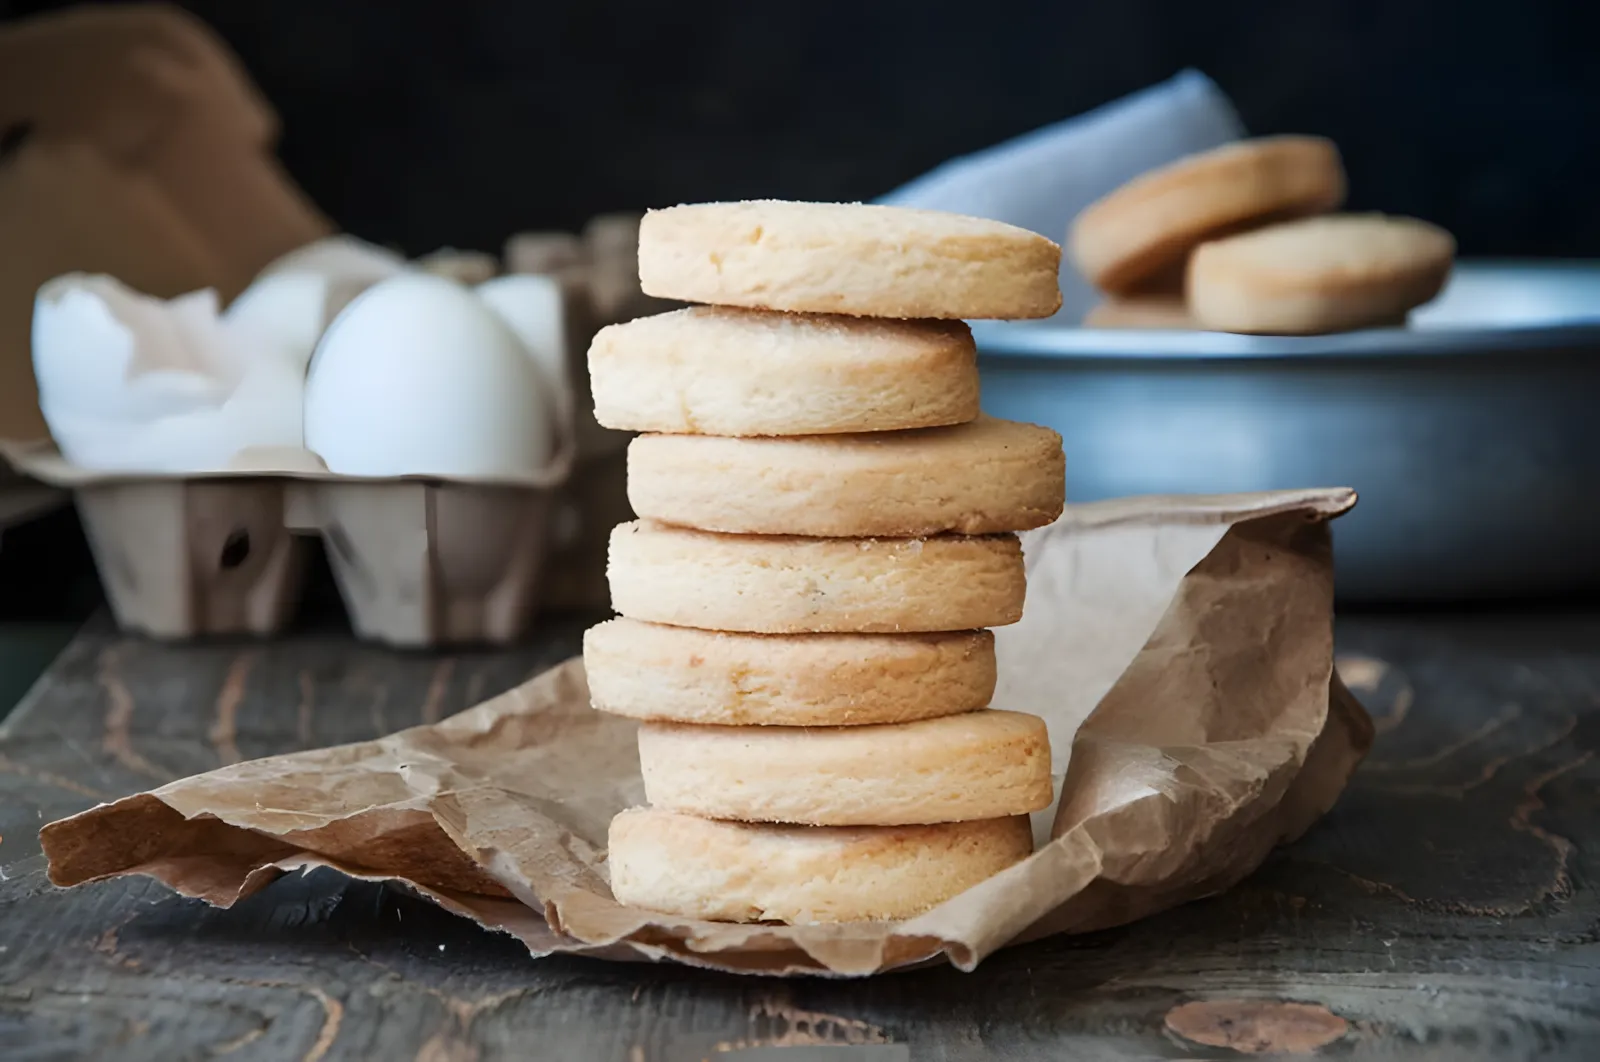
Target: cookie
[974,479]
[651,671]
[721,371]
[1328,274]
[849,258]
[956,768]
[1138,236]
[736,872]
[779,584]
[1141,312]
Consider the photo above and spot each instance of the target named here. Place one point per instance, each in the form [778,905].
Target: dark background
[426,124]
[456,123]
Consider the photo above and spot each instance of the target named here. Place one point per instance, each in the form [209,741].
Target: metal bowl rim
[1578,330]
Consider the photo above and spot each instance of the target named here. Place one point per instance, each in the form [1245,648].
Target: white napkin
[1040,180]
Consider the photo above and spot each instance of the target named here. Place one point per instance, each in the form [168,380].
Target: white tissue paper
[1041,180]
[128,382]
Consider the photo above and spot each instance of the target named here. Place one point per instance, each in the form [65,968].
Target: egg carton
[177,190]
[22,500]
[418,562]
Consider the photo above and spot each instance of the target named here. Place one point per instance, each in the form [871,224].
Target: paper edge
[1205,509]
[920,948]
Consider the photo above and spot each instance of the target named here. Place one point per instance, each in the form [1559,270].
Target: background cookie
[723,371]
[978,478]
[736,872]
[1325,274]
[851,258]
[775,584]
[652,671]
[978,765]
[1138,236]
[1142,312]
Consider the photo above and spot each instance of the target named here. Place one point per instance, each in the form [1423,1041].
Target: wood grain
[1446,909]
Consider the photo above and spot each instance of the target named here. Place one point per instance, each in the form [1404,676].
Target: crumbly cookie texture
[1137,237]
[1327,274]
[653,671]
[977,765]
[849,258]
[979,478]
[737,872]
[779,584]
[717,370]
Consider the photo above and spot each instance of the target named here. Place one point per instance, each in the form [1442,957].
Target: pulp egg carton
[419,561]
[205,446]
[23,499]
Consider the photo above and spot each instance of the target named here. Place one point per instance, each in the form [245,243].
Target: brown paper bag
[1180,650]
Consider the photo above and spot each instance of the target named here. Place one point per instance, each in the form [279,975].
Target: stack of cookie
[1231,240]
[826,533]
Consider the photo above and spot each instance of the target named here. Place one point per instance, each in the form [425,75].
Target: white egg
[418,376]
[533,307]
[341,256]
[288,310]
[296,297]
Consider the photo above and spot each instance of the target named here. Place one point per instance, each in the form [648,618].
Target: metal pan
[1472,436]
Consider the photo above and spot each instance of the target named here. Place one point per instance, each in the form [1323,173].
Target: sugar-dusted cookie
[722,371]
[850,258]
[736,872]
[977,765]
[780,584]
[1138,236]
[1327,274]
[976,479]
[653,671]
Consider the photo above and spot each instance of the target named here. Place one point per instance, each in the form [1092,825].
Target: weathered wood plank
[1447,908]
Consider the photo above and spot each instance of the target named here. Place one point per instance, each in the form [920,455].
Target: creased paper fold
[1180,648]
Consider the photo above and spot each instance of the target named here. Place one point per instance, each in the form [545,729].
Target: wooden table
[1448,907]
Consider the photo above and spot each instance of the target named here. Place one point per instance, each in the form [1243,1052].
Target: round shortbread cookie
[723,371]
[850,258]
[974,479]
[1328,274]
[738,872]
[652,671]
[1140,233]
[1142,312]
[956,768]
[780,584]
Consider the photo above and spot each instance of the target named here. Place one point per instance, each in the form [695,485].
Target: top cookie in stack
[826,531]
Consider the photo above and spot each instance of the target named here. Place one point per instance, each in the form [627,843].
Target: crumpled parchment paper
[1180,649]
